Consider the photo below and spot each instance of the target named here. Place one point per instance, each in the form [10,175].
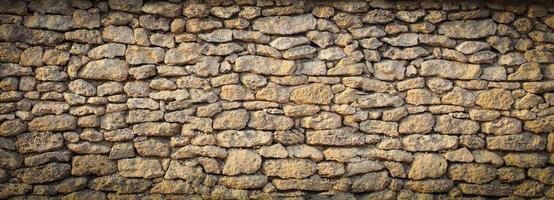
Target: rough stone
[419,142]
[92,165]
[44,173]
[289,168]
[450,69]
[263,121]
[427,166]
[140,167]
[242,162]
[264,65]
[468,29]
[284,25]
[373,181]
[105,69]
[247,138]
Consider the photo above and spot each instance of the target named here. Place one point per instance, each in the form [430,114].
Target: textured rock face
[276,99]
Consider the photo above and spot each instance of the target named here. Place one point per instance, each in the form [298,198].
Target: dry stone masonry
[276,99]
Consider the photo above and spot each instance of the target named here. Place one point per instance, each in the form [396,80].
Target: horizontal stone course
[273,99]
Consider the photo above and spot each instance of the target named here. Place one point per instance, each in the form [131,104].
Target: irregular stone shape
[335,137]
[105,69]
[367,84]
[118,34]
[135,55]
[85,194]
[153,147]
[12,128]
[494,188]
[244,181]
[460,97]
[52,22]
[10,53]
[84,36]
[304,151]
[62,122]
[247,138]
[419,142]
[468,29]
[187,170]
[140,115]
[538,87]
[37,142]
[50,107]
[251,36]
[312,94]
[380,127]
[85,19]
[472,173]
[363,167]
[422,97]
[162,8]
[427,166]
[264,65]
[402,40]
[406,54]
[450,69]
[120,185]
[10,160]
[219,35]
[527,72]
[263,121]
[242,162]
[44,173]
[495,99]
[123,5]
[323,120]
[13,7]
[525,160]
[378,16]
[449,125]
[544,175]
[10,69]
[289,168]
[331,53]
[273,151]
[235,92]
[185,53]
[538,56]
[172,187]
[502,126]
[14,189]
[430,185]
[519,142]
[284,43]
[373,181]
[471,47]
[231,119]
[191,151]
[92,165]
[305,51]
[54,156]
[156,129]
[50,73]
[285,25]
[419,124]
[88,148]
[140,167]
[273,92]
[310,184]
[540,125]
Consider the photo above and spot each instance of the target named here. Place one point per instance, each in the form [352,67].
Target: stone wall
[284,99]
